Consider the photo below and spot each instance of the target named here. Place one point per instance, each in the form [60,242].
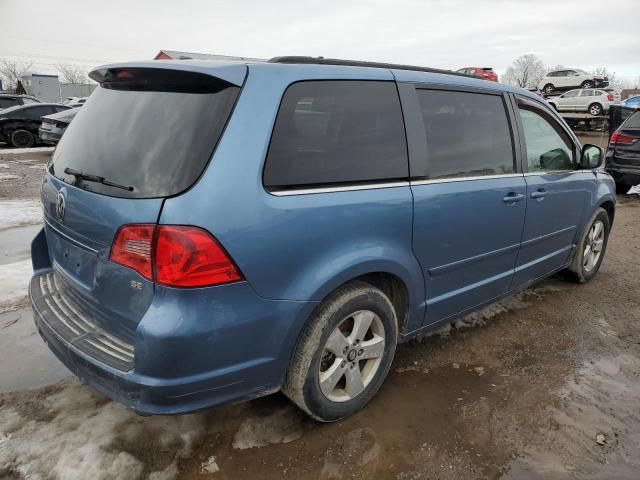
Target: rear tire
[339,362]
[595,109]
[22,138]
[548,88]
[591,248]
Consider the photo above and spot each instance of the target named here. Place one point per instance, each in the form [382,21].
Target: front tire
[22,138]
[595,109]
[591,248]
[344,353]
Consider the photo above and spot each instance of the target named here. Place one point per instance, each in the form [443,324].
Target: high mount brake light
[174,255]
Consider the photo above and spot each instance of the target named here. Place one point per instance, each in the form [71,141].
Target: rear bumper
[47,136]
[179,371]
[626,175]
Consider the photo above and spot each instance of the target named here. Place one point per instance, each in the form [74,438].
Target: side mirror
[591,157]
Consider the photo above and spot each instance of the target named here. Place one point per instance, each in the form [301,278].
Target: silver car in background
[53,126]
[595,101]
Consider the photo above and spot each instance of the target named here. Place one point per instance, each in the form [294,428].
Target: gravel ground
[543,385]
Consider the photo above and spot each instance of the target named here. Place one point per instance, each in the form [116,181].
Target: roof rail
[358,63]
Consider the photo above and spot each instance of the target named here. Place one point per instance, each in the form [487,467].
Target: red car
[486,73]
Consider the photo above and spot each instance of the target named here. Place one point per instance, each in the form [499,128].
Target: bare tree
[12,71]
[72,74]
[525,72]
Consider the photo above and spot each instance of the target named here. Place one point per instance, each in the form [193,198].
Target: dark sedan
[53,126]
[623,154]
[19,125]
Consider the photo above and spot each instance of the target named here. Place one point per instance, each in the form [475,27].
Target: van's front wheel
[344,353]
[591,248]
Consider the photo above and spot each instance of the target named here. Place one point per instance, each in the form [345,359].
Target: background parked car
[8,100]
[486,73]
[19,125]
[632,102]
[594,101]
[54,126]
[570,78]
[623,154]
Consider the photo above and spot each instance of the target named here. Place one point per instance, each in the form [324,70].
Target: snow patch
[76,433]
[283,426]
[14,282]
[8,176]
[15,213]
[635,190]
[210,466]
[4,165]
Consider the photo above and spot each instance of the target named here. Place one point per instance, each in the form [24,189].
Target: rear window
[150,131]
[337,132]
[633,121]
[467,134]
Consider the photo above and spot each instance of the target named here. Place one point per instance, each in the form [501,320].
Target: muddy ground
[547,385]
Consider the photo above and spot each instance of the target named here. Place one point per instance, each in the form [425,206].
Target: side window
[332,132]
[587,93]
[467,134]
[548,147]
[571,94]
[8,102]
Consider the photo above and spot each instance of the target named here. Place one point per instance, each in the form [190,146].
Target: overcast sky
[439,33]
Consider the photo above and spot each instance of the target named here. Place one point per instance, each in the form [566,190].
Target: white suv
[594,101]
[570,78]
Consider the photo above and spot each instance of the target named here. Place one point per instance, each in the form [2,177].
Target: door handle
[513,197]
[539,194]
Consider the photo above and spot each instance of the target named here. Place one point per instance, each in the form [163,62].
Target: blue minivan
[218,232]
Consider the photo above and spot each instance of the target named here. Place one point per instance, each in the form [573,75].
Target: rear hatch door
[145,134]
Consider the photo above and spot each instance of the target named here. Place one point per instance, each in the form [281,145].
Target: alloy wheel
[593,246]
[352,356]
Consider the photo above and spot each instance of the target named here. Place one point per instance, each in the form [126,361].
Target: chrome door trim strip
[342,188]
[465,179]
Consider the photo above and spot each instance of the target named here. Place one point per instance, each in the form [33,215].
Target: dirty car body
[121,302]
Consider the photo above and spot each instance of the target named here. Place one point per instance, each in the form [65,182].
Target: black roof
[358,63]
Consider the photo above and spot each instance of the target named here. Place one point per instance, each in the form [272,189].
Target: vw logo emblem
[60,204]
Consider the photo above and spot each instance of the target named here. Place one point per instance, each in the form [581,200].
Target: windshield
[153,131]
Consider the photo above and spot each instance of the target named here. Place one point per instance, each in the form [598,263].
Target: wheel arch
[610,208]
[403,287]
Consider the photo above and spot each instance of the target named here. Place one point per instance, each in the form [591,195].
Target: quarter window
[467,134]
[336,132]
[548,146]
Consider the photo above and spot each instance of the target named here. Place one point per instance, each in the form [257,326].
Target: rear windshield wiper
[95,178]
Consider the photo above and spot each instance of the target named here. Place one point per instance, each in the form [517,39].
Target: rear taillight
[610,97]
[174,255]
[132,248]
[618,139]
